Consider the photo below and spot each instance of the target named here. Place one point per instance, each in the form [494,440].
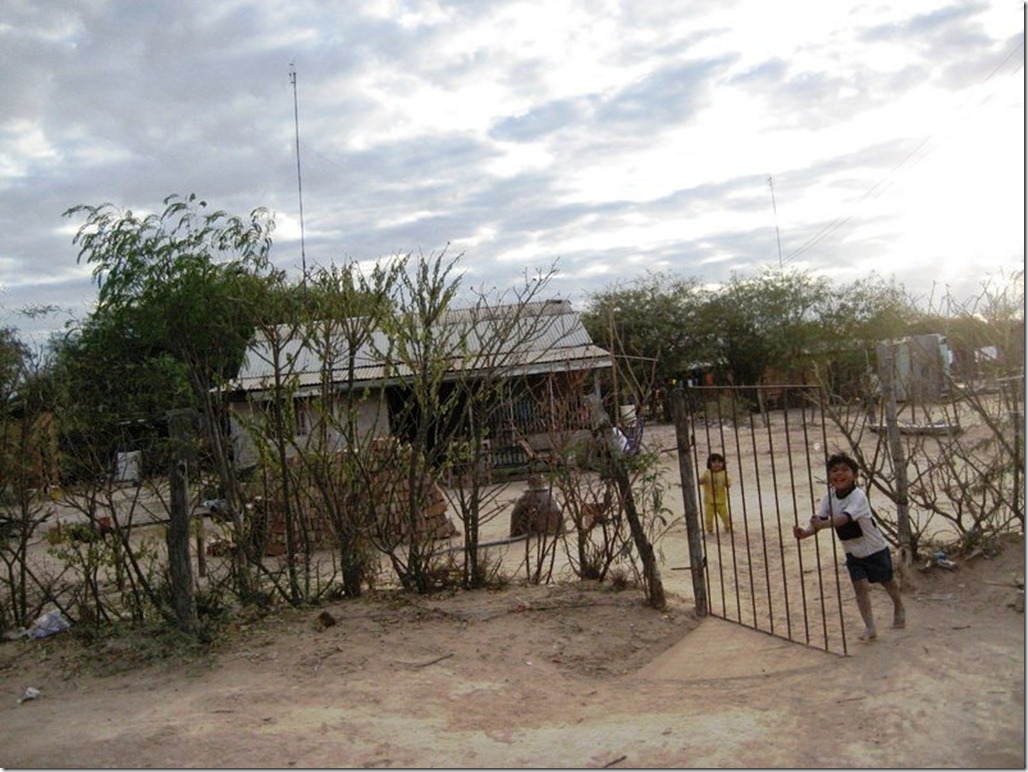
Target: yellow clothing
[715,498]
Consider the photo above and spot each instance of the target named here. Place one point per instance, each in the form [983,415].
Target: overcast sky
[608,138]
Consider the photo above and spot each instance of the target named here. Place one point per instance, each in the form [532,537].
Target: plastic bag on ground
[49,623]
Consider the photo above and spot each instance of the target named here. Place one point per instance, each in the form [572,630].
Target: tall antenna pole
[774,208]
[299,179]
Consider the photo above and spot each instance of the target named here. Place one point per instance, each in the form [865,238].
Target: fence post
[693,531]
[179,565]
[899,459]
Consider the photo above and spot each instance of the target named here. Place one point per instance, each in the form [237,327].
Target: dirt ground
[569,676]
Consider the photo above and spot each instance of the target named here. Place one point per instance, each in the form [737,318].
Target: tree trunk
[619,471]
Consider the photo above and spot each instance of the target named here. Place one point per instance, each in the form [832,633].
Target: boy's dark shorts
[876,567]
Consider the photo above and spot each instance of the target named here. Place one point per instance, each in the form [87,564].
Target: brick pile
[388,467]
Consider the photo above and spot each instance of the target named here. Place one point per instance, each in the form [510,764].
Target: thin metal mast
[774,208]
[299,179]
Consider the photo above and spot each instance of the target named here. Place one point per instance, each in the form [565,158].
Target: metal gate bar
[758,565]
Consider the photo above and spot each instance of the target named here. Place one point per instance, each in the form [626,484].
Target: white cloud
[616,137]
[27,147]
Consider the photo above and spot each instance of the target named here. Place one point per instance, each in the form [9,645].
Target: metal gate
[775,442]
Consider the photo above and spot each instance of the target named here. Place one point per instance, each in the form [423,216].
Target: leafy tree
[654,326]
[111,383]
[767,323]
[185,284]
[852,322]
[184,280]
[779,325]
[12,354]
[186,287]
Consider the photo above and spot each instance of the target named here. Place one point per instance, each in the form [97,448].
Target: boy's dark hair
[841,458]
[714,457]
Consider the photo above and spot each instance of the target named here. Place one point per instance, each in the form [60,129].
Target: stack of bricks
[431,521]
[388,470]
[390,464]
[310,525]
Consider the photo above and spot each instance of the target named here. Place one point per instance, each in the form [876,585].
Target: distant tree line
[785,326]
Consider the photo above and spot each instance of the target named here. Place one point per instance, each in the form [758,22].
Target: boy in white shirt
[847,510]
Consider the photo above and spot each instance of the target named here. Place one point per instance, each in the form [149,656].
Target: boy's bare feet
[869,634]
[899,619]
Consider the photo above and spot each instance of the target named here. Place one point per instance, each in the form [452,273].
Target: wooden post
[201,555]
[179,565]
[693,529]
[899,459]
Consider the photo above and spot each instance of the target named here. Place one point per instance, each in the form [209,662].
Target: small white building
[540,350]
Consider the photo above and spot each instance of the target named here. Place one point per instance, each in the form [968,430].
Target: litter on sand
[49,623]
[30,694]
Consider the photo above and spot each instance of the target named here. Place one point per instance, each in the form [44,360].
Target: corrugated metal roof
[514,340]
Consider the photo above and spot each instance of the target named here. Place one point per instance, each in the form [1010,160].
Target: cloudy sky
[609,138]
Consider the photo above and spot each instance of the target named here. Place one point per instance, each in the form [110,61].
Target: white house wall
[372,415]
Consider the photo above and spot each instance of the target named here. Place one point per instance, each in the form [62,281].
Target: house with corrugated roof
[536,357]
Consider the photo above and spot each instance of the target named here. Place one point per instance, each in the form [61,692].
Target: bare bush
[952,464]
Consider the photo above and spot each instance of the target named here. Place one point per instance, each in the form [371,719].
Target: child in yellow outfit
[715,483]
